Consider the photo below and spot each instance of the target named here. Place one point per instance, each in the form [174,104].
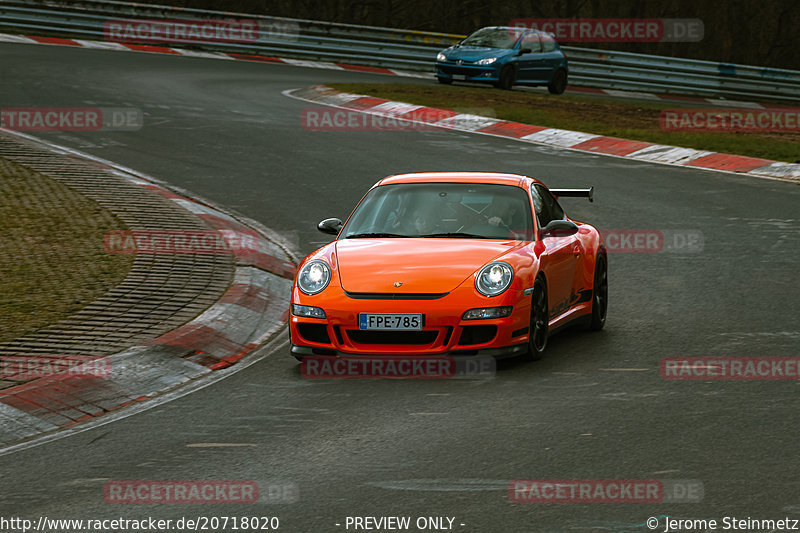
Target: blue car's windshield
[493,38]
[442,210]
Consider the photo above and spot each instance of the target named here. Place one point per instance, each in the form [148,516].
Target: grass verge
[52,260]
[615,118]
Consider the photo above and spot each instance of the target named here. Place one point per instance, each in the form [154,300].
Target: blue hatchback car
[505,57]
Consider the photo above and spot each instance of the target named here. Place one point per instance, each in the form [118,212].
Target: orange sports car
[450,263]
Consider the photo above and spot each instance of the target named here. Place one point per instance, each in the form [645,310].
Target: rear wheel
[507,78]
[599,294]
[559,82]
[537,338]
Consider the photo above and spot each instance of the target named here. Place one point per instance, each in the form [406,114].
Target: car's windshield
[442,210]
[493,38]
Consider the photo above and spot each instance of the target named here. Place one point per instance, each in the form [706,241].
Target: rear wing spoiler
[574,193]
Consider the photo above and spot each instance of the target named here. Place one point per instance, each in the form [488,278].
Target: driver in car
[498,218]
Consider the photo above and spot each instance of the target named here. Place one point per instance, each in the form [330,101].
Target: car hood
[428,265]
[474,53]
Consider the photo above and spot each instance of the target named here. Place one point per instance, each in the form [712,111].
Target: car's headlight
[487,312]
[307,311]
[487,61]
[441,57]
[313,277]
[494,278]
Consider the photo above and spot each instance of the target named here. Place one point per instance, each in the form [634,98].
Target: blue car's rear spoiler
[575,193]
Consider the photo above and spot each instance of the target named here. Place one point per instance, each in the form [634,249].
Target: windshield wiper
[368,235]
[457,234]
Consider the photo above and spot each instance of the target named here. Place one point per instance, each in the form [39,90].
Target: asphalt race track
[594,408]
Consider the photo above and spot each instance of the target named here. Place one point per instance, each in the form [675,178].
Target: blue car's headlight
[494,278]
[487,61]
[441,57]
[314,277]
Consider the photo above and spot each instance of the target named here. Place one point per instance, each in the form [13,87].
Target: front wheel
[506,79]
[444,81]
[599,294]
[559,82]
[540,318]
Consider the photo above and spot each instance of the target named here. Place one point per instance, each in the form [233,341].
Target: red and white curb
[106,45]
[572,140]
[124,47]
[253,309]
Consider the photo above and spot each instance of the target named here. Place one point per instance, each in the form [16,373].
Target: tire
[559,82]
[507,78]
[540,317]
[444,81]
[599,294]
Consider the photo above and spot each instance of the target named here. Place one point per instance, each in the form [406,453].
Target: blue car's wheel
[445,81]
[559,82]
[507,78]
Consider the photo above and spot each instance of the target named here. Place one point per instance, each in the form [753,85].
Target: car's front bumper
[444,332]
[499,353]
[454,71]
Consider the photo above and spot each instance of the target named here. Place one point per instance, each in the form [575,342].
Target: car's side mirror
[331,226]
[558,228]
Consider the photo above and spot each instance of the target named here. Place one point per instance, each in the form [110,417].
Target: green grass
[52,259]
[602,116]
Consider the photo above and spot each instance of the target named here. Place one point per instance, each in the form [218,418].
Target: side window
[531,40]
[556,211]
[548,208]
[537,206]
[548,44]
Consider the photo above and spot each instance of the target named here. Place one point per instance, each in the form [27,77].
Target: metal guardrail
[405,49]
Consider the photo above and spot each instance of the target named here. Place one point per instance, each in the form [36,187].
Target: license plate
[460,77]
[390,321]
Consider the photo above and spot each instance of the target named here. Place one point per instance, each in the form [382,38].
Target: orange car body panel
[373,265]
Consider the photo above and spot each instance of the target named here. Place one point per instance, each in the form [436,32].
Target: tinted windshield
[443,210]
[493,38]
